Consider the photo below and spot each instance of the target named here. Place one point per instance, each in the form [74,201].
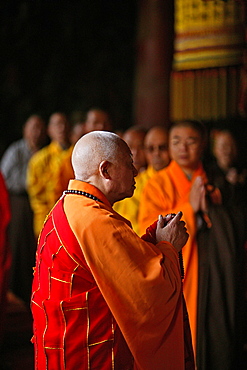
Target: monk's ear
[103,169]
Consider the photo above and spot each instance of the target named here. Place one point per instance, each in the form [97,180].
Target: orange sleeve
[161,196]
[141,285]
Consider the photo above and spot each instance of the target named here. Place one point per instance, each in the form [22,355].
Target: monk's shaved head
[92,149]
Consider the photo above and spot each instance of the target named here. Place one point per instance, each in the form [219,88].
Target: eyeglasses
[159,148]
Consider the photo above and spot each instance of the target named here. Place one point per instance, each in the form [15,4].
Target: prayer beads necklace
[79,192]
[181,263]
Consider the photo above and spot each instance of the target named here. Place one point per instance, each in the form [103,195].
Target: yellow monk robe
[168,192]
[42,174]
[141,285]
[129,207]
[65,173]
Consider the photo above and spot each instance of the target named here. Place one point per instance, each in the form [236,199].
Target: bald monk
[102,297]
[43,169]
[134,136]
[180,186]
[97,119]
[155,146]
[129,207]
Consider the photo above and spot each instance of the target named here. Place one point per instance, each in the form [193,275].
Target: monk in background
[21,236]
[134,136]
[43,169]
[155,144]
[210,287]
[226,170]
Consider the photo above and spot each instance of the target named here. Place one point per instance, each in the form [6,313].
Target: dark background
[65,55]
[68,56]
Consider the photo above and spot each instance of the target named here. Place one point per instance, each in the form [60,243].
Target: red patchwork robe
[102,297]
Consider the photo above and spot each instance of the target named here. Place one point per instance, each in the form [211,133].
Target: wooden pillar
[154,54]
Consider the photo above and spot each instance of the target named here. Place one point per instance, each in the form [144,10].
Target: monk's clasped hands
[171,229]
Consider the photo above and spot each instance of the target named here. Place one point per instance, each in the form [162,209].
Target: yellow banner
[207,34]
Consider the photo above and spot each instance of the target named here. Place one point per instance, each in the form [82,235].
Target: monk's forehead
[184,131]
[156,134]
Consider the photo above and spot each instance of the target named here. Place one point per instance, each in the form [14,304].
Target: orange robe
[94,276]
[168,192]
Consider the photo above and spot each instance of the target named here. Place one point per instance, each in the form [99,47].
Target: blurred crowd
[181,167]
